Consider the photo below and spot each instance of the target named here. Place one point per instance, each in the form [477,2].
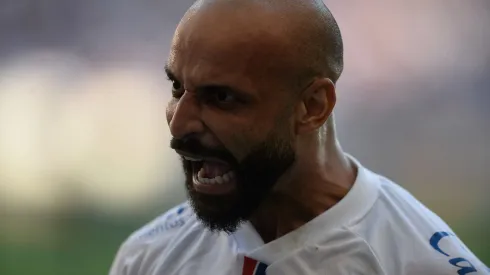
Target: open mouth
[212,176]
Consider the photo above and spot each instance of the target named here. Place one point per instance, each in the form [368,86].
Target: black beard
[255,177]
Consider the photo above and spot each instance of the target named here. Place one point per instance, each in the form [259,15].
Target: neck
[313,186]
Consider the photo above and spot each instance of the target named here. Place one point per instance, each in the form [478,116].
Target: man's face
[230,122]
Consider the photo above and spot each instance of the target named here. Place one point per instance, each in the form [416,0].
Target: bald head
[293,40]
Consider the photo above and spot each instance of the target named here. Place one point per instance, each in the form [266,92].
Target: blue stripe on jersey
[260,269]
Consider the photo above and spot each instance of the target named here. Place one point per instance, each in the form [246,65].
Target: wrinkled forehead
[220,45]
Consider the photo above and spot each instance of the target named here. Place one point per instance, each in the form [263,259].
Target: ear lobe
[317,103]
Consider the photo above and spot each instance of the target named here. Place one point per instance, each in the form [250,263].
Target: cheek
[245,140]
[234,134]
[241,144]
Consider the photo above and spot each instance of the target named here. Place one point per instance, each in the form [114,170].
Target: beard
[255,176]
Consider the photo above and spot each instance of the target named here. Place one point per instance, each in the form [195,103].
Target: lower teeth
[218,179]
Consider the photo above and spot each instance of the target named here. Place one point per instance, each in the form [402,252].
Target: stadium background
[84,157]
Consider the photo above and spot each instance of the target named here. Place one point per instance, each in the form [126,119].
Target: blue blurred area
[84,157]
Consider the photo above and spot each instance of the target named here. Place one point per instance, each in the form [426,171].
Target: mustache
[195,147]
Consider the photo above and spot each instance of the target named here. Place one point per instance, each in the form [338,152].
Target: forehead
[224,46]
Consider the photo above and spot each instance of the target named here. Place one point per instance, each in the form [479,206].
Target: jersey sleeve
[126,261]
[131,254]
[448,255]
[440,253]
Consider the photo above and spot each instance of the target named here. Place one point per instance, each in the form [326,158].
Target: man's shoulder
[168,223]
[406,230]
[400,206]
[155,238]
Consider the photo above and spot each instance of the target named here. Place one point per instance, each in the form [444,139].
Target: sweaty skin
[283,60]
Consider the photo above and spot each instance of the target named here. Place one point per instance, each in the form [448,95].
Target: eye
[175,85]
[177,90]
[223,96]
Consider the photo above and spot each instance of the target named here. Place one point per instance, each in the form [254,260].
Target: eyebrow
[243,95]
[169,72]
[209,87]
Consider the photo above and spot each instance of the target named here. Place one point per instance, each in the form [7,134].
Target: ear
[316,105]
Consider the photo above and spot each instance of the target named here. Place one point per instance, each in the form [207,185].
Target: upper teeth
[192,159]
[216,180]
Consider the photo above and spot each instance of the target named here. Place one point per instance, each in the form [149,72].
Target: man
[270,189]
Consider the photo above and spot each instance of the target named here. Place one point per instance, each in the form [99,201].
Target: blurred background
[84,156]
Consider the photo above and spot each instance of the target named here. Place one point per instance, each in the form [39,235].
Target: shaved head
[252,81]
[293,40]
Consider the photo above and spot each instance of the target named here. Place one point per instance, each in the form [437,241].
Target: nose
[183,116]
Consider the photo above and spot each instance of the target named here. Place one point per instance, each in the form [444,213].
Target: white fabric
[378,228]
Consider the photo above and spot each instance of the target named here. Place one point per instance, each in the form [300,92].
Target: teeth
[200,173]
[192,159]
[216,180]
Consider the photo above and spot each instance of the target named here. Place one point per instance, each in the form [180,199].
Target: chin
[217,213]
[224,212]
[224,206]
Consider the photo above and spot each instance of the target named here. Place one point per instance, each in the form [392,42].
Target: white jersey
[377,228]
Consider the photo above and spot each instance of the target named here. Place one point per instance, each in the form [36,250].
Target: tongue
[213,169]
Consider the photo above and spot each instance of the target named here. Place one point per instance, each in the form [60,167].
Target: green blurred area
[80,246]
[88,245]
